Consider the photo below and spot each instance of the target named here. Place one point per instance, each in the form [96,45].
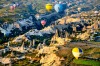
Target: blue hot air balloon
[64,6]
[59,8]
[52,0]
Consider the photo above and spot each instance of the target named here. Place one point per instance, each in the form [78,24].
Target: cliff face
[48,56]
[50,60]
[53,56]
[84,36]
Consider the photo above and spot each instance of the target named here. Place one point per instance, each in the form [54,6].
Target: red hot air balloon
[43,22]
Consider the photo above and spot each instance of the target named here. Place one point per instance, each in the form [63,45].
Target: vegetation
[31,7]
[86,62]
[26,62]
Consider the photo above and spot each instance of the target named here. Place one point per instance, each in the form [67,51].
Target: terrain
[52,44]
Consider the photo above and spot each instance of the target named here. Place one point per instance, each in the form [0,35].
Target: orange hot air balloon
[43,22]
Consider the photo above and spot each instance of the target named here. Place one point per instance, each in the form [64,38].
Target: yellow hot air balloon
[77,52]
[49,7]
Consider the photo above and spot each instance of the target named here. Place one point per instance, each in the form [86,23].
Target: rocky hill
[53,44]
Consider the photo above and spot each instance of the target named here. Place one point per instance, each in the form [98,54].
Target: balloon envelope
[79,9]
[96,12]
[52,0]
[49,7]
[14,5]
[60,2]
[58,8]
[64,6]
[77,52]
[11,7]
[43,22]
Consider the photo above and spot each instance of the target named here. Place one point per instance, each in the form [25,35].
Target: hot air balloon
[11,8]
[64,6]
[49,7]
[52,1]
[77,52]
[56,2]
[43,22]
[58,8]
[60,2]
[37,16]
[96,12]
[79,9]
[17,4]
[14,5]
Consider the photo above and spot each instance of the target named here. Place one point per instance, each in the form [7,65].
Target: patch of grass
[88,50]
[96,52]
[95,42]
[87,62]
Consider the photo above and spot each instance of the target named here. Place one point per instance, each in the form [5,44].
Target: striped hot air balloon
[77,52]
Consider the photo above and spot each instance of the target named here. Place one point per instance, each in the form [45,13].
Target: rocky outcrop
[54,55]
[84,36]
[20,39]
[59,40]
[68,20]
[50,60]
[49,57]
